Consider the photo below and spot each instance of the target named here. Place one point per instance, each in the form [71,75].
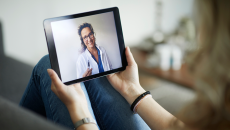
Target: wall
[24,37]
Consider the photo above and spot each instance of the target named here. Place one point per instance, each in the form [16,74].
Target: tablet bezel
[52,49]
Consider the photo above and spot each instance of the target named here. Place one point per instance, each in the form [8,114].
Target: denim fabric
[111,110]
[39,97]
[109,107]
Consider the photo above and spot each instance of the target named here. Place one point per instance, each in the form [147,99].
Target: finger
[110,76]
[53,88]
[55,79]
[86,72]
[77,85]
[89,72]
[129,57]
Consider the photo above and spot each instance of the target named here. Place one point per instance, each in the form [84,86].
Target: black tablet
[86,45]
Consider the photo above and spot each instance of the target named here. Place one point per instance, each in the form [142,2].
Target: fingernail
[49,72]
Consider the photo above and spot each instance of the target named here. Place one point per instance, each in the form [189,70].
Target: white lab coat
[86,59]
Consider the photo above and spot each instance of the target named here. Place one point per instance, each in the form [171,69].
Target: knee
[42,65]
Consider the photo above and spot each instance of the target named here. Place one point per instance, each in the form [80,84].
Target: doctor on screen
[93,58]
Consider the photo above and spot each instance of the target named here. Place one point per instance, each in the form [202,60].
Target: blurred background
[160,33]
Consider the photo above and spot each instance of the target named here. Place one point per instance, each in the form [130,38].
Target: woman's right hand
[72,96]
[127,81]
[88,72]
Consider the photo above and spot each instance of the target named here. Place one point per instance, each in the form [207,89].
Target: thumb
[55,79]
[129,57]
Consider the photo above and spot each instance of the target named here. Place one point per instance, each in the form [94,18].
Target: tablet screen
[86,46]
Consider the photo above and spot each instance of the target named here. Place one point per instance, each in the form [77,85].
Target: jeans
[106,105]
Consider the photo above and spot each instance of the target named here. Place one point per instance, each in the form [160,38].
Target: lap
[110,108]
[112,111]
[39,97]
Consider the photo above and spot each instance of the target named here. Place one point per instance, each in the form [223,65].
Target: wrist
[132,93]
[78,113]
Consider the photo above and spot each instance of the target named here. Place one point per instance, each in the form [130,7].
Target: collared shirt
[85,60]
[100,66]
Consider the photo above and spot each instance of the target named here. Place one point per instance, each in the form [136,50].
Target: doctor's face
[88,37]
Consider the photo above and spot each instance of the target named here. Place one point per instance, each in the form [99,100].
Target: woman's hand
[72,96]
[88,72]
[127,81]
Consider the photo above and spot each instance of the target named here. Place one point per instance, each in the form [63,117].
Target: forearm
[77,114]
[155,116]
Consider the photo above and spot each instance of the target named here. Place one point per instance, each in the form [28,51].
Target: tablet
[86,45]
